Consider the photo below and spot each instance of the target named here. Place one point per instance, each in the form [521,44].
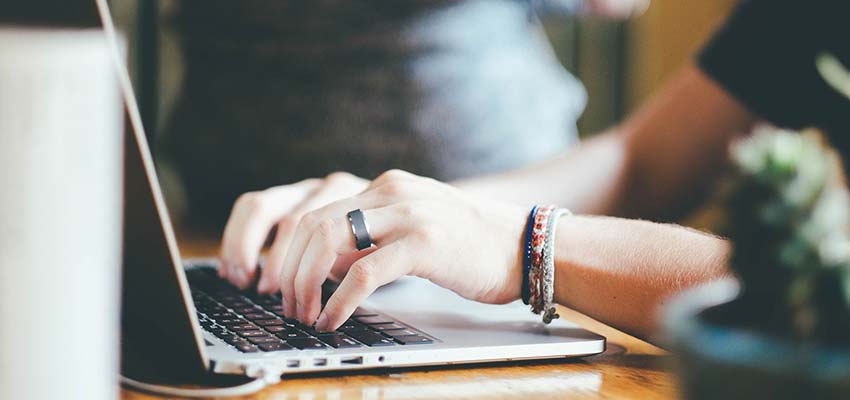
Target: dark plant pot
[719,361]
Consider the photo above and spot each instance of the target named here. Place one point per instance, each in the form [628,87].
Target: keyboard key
[245,310]
[306,344]
[234,304]
[252,333]
[292,334]
[256,315]
[269,322]
[351,325]
[370,338]
[279,346]
[242,327]
[246,348]
[236,341]
[373,320]
[309,330]
[222,315]
[415,339]
[400,333]
[211,308]
[263,339]
[268,302]
[274,328]
[361,312]
[231,321]
[223,334]
[339,341]
[389,327]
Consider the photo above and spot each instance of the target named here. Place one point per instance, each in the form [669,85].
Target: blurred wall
[665,38]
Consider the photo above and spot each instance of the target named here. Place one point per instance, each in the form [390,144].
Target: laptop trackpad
[446,315]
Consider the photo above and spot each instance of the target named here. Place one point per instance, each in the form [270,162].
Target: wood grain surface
[629,369]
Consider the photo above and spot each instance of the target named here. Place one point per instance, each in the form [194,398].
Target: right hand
[256,214]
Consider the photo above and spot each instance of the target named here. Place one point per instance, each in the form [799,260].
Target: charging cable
[263,377]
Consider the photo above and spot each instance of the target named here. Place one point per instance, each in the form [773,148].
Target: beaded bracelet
[526,256]
[538,239]
[541,273]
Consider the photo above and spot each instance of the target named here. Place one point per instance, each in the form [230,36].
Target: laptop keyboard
[255,323]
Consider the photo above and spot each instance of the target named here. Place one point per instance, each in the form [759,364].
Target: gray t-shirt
[277,91]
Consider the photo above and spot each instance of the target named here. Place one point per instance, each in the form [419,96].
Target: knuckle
[338,177]
[427,234]
[363,273]
[309,220]
[393,175]
[408,211]
[248,199]
[395,188]
[325,228]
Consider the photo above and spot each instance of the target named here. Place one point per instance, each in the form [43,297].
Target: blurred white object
[60,215]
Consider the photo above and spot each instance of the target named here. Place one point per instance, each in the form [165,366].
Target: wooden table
[629,369]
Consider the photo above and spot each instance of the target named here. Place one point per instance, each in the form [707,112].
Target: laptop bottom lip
[305,362]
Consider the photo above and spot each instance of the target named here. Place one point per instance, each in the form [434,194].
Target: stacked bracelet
[539,276]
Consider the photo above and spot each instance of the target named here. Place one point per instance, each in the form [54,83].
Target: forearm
[587,180]
[621,272]
[658,163]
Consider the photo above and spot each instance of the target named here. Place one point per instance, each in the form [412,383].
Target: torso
[278,91]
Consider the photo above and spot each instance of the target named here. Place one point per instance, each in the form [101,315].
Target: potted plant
[784,333]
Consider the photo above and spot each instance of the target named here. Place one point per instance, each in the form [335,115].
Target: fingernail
[239,277]
[322,323]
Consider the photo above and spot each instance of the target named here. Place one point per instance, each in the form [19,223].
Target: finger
[270,279]
[333,243]
[241,241]
[383,266]
[253,216]
[304,231]
[320,197]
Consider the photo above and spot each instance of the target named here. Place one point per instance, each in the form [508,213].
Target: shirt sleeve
[764,55]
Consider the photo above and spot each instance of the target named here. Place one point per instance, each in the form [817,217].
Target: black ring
[360,229]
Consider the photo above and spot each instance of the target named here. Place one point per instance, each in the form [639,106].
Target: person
[657,164]
[276,92]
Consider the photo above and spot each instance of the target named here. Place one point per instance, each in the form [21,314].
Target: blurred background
[620,63]
[199,69]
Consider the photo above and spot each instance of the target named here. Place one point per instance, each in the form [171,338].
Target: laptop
[180,319]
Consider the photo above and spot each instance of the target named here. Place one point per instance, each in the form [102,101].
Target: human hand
[420,227]
[254,216]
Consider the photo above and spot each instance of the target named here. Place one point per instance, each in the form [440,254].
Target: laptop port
[293,363]
[320,362]
[351,360]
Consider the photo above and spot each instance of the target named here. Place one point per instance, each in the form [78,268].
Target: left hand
[420,227]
